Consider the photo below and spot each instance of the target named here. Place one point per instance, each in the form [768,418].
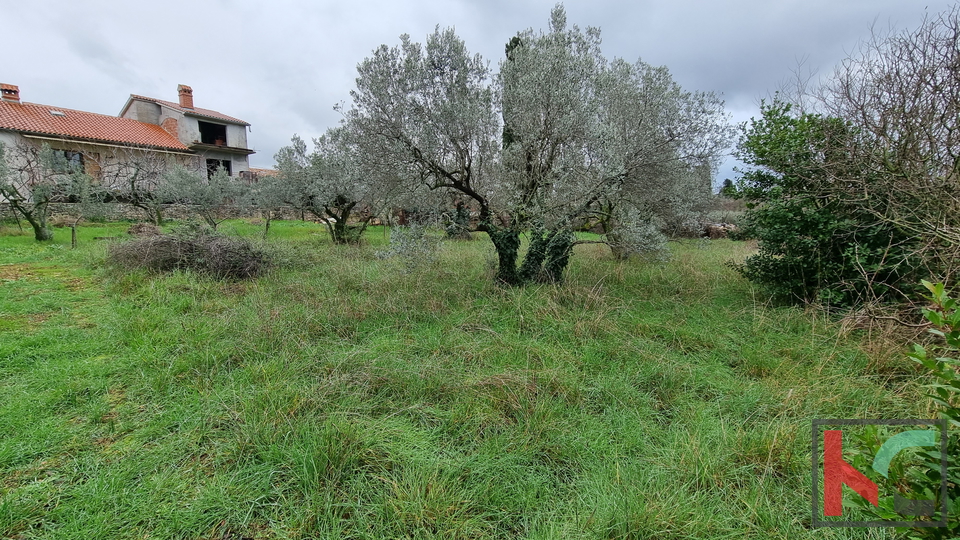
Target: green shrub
[457,224]
[945,318]
[815,244]
[643,240]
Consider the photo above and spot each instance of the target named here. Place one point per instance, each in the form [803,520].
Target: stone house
[220,140]
[149,134]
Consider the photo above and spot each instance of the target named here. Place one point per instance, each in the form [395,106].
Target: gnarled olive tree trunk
[544,262]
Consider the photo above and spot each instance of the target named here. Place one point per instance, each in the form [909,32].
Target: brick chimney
[10,92]
[186,96]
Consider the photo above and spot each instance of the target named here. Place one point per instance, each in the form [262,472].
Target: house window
[74,158]
[67,161]
[213,133]
[214,164]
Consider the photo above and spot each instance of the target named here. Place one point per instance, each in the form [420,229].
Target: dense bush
[816,244]
[860,201]
[224,257]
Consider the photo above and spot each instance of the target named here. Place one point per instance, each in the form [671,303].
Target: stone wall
[122,211]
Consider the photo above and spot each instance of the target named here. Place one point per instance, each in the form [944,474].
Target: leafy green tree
[815,244]
[729,189]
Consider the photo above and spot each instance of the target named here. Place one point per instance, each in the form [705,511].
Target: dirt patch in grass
[16,272]
[31,272]
[23,323]
[39,471]
[75,284]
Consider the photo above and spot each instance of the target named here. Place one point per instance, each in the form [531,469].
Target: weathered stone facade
[122,211]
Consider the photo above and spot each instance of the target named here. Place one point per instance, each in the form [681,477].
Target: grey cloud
[283,65]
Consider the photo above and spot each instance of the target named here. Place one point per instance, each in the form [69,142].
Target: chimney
[186,96]
[10,92]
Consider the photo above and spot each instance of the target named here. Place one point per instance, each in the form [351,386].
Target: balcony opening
[213,133]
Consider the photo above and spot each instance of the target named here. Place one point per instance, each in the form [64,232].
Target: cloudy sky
[282,65]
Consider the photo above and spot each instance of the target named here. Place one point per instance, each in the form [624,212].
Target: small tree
[87,199]
[269,194]
[211,196]
[32,178]
[134,176]
[332,183]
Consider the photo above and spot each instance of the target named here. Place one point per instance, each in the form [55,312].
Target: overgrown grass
[345,397]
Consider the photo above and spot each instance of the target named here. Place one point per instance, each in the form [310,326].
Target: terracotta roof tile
[196,110]
[40,119]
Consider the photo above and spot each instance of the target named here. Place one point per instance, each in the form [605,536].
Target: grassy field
[346,397]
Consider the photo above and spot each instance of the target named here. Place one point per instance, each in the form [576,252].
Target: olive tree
[429,113]
[211,196]
[615,143]
[135,176]
[558,136]
[332,182]
[33,177]
[657,145]
[548,88]
[268,193]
